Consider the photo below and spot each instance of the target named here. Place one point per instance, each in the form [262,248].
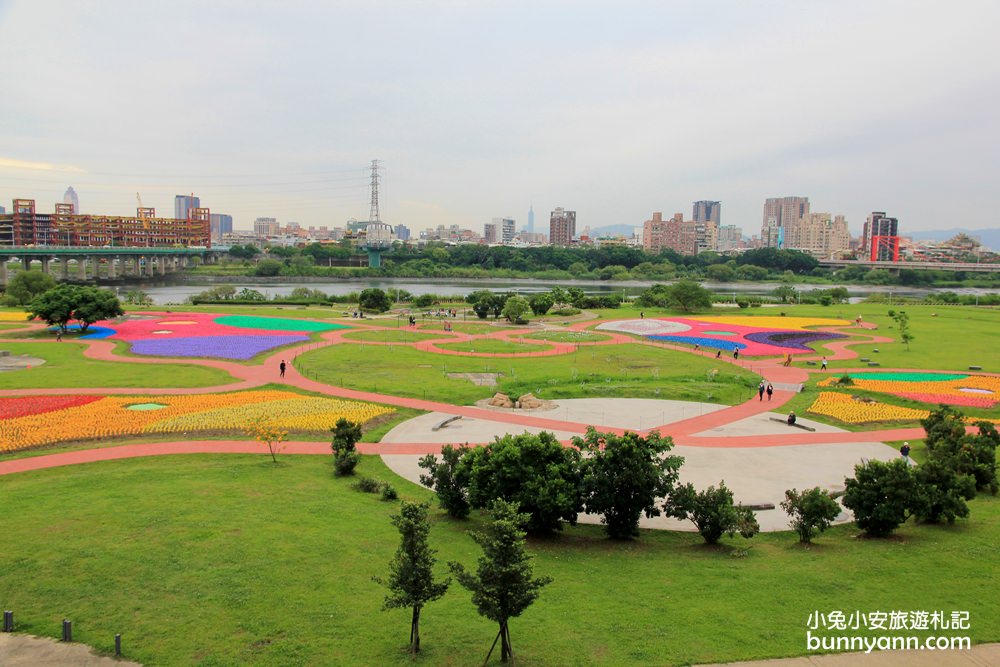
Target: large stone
[529,402]
[501,401]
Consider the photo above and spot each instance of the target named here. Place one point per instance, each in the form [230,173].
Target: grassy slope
[231,560]
[65,367]
[618,371]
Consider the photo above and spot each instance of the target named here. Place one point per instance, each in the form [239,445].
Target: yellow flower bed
[934,391]
[846,409]
[13,316]
[770,322]
[110,417]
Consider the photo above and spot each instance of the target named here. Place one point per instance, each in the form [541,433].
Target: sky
[479,109]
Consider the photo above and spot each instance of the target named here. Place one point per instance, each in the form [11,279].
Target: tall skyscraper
[490,231]
[507,230]
[402,232]
[219,224]
[880,238]
[265,227]
[708,211]
[781,214]
[562,227]
[185,203]
[71,198]
[531,219]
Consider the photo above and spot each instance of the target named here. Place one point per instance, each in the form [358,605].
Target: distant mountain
[990,238]
[613,230]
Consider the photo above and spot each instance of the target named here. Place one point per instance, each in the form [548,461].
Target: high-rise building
[730,238]
[880,238]
[531,219]
[184,204]
[677,234]
[71,198]
[781,214]
[708,211]
[562,227]
[507,230]
[219,224]
[402,232]
[490,231]
[819,234]
[266,227]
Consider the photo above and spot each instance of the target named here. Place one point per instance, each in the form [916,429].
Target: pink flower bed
[741,334]
[170,325]
[22,406]
[967,400]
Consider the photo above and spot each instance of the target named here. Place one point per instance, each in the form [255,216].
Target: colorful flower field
[976,391]
[207,335]
[12,316]
[752,336]
[851,411]
[35,421]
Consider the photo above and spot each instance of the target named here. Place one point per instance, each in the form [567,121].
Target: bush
[712,511]
[942,492]
[844,381]
[367,485]
[811,511]
[566,312]
[345,455]
[374,300]
[449,479]
[881,495]
[966,454]
[742,303]
[424,301]
[541,303]
[387,491]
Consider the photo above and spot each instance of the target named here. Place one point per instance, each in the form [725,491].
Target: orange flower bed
[978,391]
[850,411]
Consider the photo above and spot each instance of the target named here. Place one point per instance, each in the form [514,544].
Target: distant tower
[71,198]
[378,235]
[184,204]
[531,218]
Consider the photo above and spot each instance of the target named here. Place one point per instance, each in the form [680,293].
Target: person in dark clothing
[770,390]
[281,368]
[791,418]
[736,353]
[760,391]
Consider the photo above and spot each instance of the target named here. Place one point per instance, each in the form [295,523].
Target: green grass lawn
[493,346]
[231,560]
[391,336]
[568,336]
[616,371]
[66,367]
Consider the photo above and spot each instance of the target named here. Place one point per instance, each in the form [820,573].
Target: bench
[864,359]
[975,368]
[873,363]
[795,425]
[759,506]
[444,422]
[810,363]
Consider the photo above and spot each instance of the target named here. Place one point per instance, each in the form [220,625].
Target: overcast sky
[478,109]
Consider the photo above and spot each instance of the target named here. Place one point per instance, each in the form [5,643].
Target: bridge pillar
[149,267]
[3,271]
[81,267]
[161,263]
[64,268]
[26,263]
[112,273]
[45,265]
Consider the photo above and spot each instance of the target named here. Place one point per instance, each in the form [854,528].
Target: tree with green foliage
[533,470]
[65,302]
[966,454]
[411,572]
[712,511]
[942,492]
[541,303]
[503,585]
[449,478]
[811,511]
[882,495]
[268,268]
[903,325]
[137,297]
[688,296]
[624,476]
[25,286]
[516,309]
[786,293]
[345,454]
[374,300]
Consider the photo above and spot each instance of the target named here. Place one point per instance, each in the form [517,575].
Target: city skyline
[641,114]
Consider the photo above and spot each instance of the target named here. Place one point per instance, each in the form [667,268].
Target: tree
[687,295]
[247,294]
[345,455]
[881,495]
[721,273]
[503,586]
[786,293]
[137,297]
[268,434]
[811,511]
[26,285]
[449,479]
[712,511]
[375,300]
[67,302]
[541,303]
[623,477]
[534,471]
[903,325]
[268,268]
[964,453]
[942,492]
[516,309]
[411,571]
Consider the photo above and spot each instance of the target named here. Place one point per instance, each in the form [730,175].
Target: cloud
[11,163]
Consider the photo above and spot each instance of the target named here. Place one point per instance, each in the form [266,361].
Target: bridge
[895,267]
[107,262]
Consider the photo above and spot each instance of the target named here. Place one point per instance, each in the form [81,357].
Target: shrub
[712,511]
[387,491]
[742,303]
[449,479]
[942,492]
[881,495]
[345,455]
[367,485]
[844,381]
[811,511]
[966,454]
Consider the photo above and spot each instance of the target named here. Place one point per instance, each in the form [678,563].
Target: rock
[501,401]
[530,402]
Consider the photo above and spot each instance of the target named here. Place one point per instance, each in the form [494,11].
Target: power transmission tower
[373,215]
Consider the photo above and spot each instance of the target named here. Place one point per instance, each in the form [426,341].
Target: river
[164,293]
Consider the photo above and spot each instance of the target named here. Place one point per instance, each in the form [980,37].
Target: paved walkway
[18,650]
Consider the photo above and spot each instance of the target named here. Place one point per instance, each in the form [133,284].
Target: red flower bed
[971,400]
[22,406]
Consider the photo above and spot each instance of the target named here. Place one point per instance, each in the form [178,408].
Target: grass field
[66,367]
[619,371]
[493,346]
[392,336]
[231,560]
[568,336]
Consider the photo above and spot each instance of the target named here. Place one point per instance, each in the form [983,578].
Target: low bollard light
[118,646]
[67,630]
[8,621]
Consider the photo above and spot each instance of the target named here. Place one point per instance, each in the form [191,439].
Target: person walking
[736,354]
[59,335]
[905,451]
[760,391]
[770,390]
[281,369]
[822,366]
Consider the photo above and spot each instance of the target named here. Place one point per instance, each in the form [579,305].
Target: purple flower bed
[223,347]
[713,343]
[794,340]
